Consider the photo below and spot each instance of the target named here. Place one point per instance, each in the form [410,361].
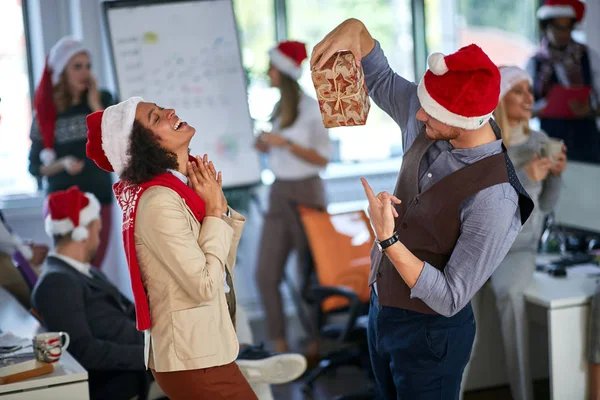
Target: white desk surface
[67,370]
[14,318]
[559,292]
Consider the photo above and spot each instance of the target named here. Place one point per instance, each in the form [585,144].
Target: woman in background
[540,176]
[560,60]
[298,149]
[66,94]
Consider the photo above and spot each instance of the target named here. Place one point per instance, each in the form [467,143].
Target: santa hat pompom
[437,63]
[79,234]
[47,156]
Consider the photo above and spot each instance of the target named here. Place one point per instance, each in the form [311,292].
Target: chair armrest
[321,293]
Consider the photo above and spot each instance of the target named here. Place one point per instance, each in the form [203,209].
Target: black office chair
[336,283]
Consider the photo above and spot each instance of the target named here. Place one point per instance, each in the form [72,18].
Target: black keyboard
[559,267]
[575,259]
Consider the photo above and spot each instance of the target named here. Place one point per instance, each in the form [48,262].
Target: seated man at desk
[71,296]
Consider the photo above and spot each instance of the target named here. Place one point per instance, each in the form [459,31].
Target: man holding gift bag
[455,212]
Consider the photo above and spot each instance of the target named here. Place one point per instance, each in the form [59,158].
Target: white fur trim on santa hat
[437,63]
[63,226]
[58,226]
[47,156]
[117,122]
[437,111]
[285,64]
[549,12]
[511,76]
[61,53]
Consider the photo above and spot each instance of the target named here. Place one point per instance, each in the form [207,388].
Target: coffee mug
[551,149]
[48,347]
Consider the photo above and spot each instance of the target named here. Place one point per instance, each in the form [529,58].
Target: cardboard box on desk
[342,92]
[25,370]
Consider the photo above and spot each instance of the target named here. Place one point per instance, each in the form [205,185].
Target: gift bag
[342,91]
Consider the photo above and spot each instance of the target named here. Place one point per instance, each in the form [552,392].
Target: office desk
[567,304]
[69,379]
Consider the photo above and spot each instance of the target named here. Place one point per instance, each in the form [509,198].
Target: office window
[256,24]
[390,22]
[15,104]
[505,29]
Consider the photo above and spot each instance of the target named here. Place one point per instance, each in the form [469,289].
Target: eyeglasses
[561,28]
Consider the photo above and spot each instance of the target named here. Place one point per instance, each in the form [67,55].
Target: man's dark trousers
[418,356]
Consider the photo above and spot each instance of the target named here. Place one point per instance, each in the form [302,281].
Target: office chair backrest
[340,245]
[26,270]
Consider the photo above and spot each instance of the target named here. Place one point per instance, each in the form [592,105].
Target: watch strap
[384,244]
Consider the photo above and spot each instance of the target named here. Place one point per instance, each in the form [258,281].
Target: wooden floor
[350,380]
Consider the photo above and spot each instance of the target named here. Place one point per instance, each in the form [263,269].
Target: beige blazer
[182,264]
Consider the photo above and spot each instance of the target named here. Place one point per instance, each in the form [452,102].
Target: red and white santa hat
[461,89]
[43,102]
[288,56]
[561,9]
[70,211]
[108,135]
[511,76]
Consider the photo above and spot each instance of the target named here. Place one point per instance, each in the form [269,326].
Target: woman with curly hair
[180,240]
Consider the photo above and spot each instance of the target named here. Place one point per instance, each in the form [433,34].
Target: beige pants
[281,235]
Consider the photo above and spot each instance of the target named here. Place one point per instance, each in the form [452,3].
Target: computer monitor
[579,202]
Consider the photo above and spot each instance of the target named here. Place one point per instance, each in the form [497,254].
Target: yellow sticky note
[150,38]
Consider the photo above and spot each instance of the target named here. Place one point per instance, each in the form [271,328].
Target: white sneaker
[258,366]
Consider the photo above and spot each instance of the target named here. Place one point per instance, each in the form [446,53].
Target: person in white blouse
[298,149]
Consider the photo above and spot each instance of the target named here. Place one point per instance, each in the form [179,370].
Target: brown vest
[428,223]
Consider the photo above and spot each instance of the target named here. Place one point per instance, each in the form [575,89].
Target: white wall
[591,24]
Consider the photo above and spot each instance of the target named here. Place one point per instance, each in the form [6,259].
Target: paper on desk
[585,270]
[9,339]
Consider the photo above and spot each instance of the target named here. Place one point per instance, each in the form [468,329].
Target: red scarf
[128,195]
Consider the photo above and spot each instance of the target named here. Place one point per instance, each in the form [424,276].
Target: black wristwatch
[384,244]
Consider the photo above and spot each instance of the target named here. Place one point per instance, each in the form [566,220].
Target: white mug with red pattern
[48,347]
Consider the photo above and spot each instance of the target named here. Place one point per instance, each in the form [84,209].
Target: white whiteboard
[186,55]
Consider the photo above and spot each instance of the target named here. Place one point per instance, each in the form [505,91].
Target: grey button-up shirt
[490,220]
